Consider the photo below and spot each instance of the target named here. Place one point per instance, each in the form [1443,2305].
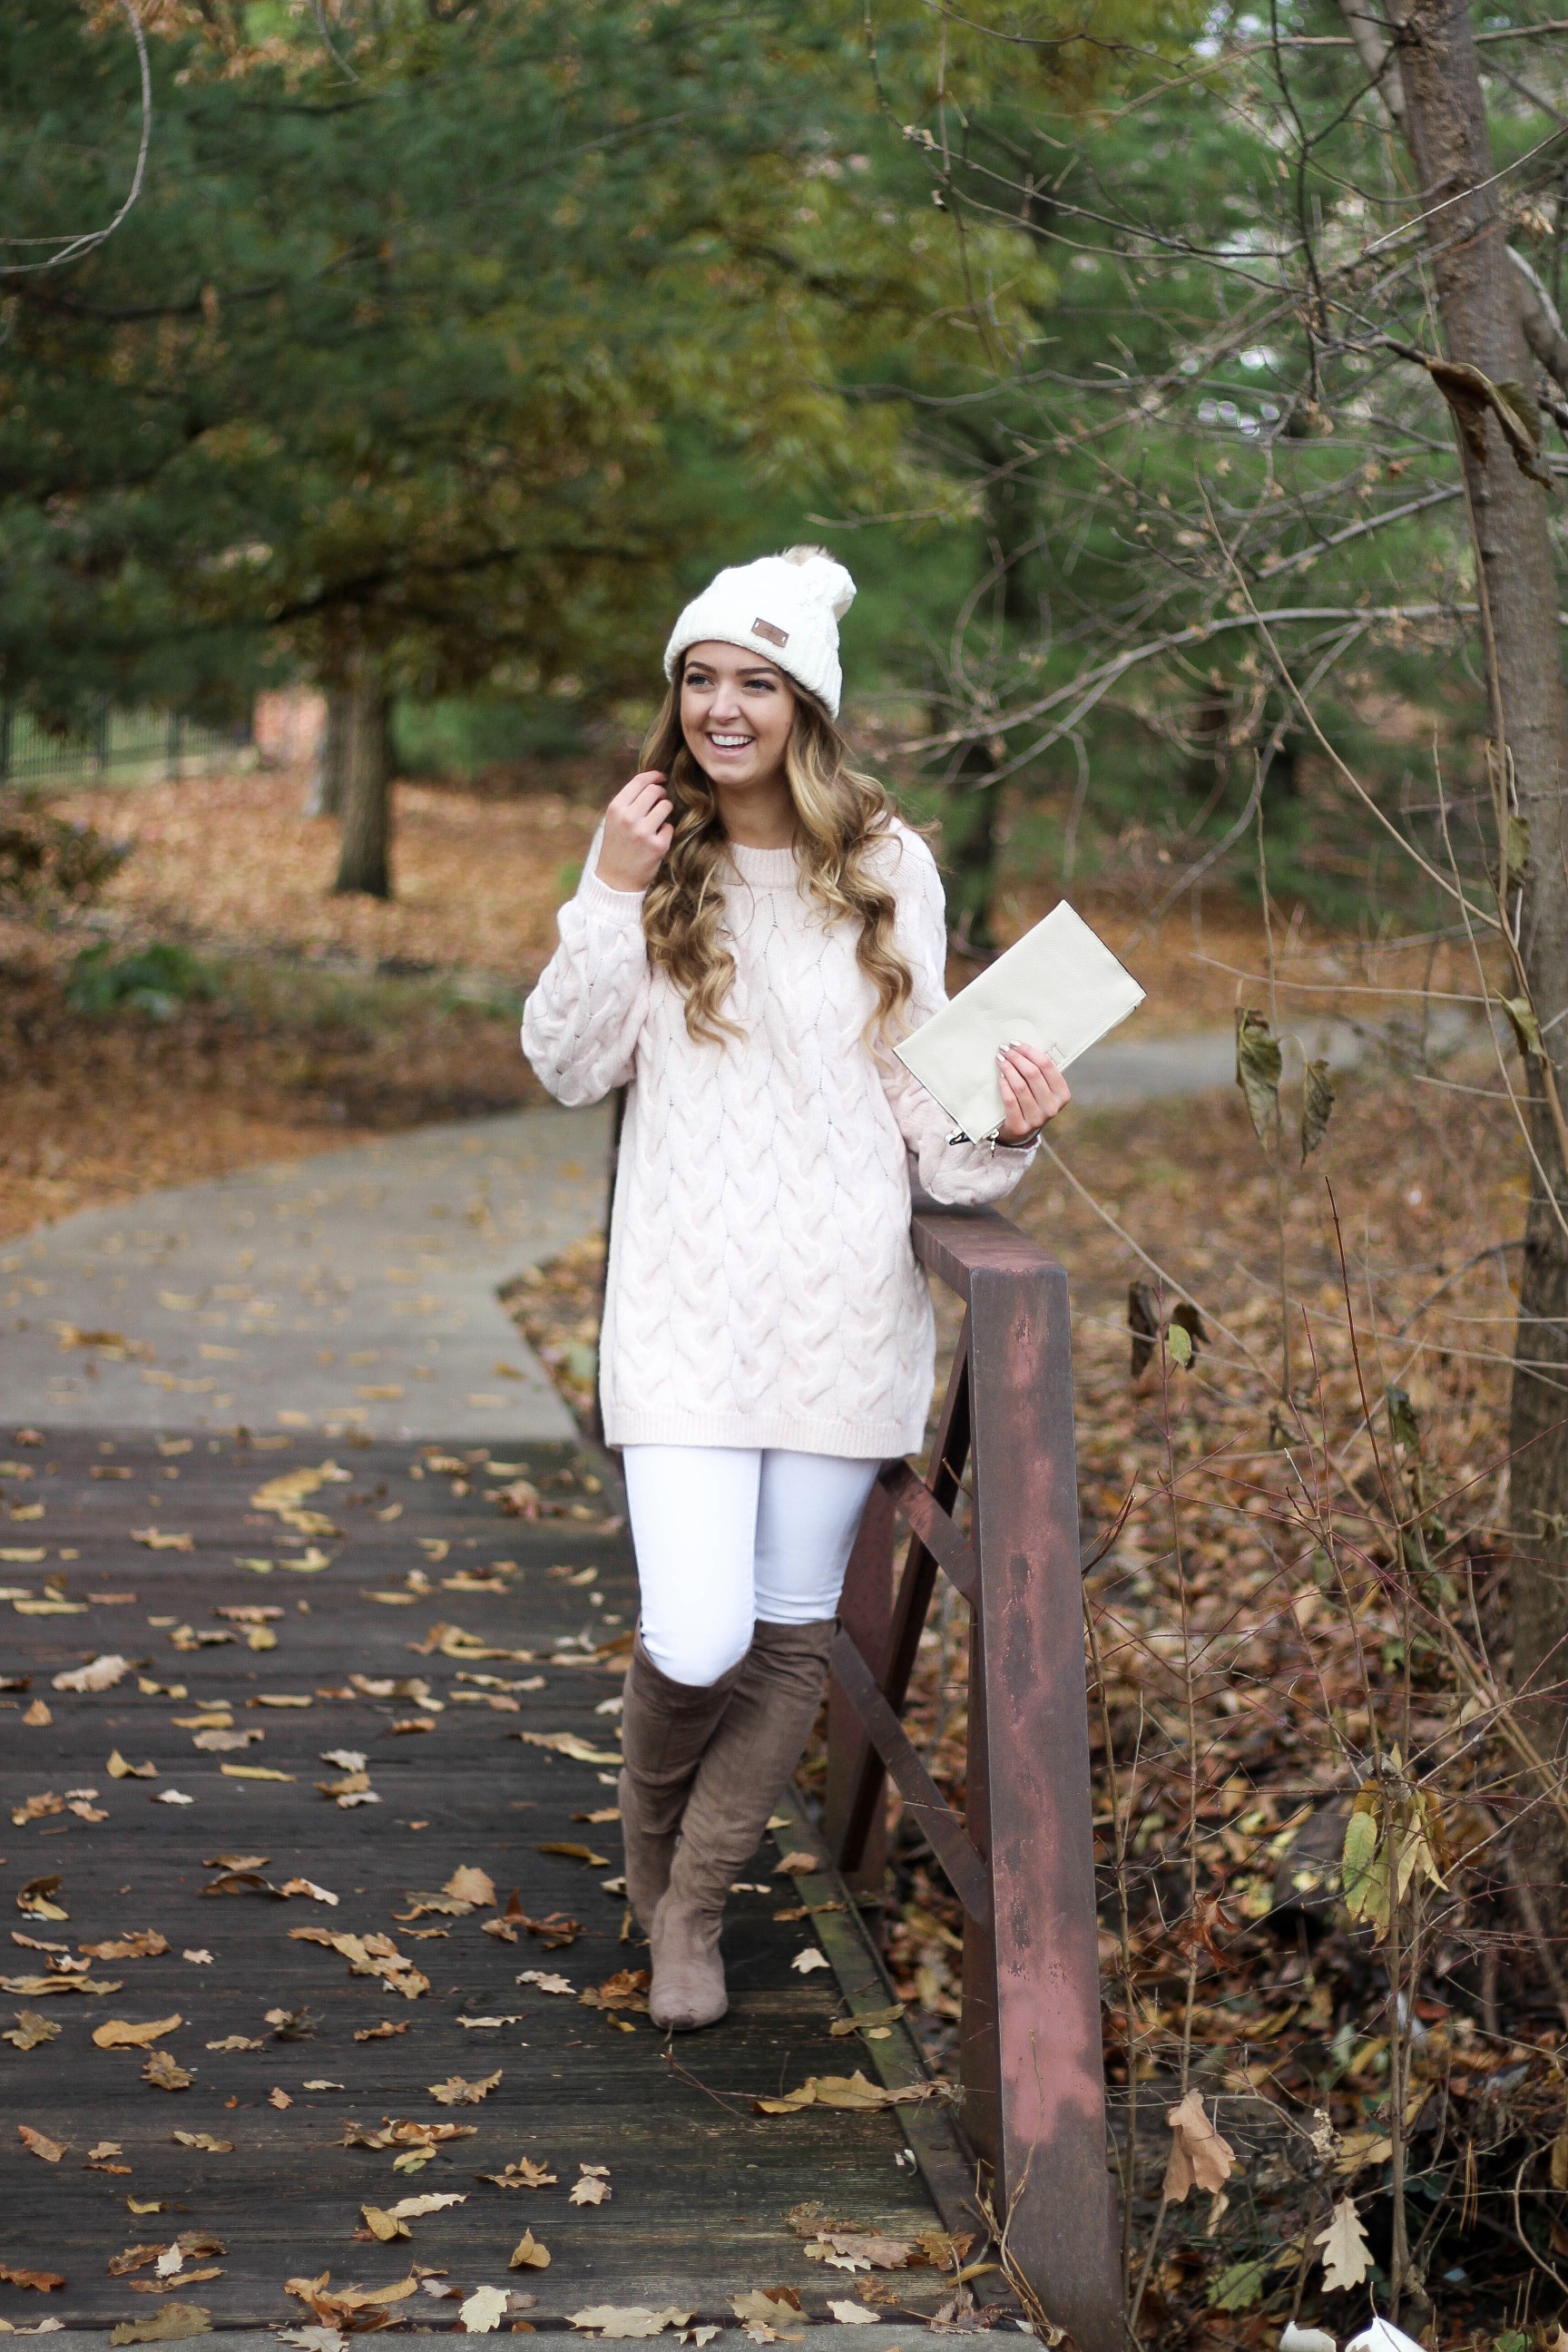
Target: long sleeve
[961,1175]
[582,1022]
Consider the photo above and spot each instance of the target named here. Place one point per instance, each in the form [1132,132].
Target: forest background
[1184,385]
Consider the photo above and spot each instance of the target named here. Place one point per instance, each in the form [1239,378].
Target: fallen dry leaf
[236,2042]
[523,2174]
[852,2314]
[39,2144]
[528,2254]
[805,1962]
[576,1852]
[778,2308]
[99,1674]
[593,2186]
[38,1716]
[1347,2255]
[168,2324]
[383,2225]
[119,2033]
[381,2032]
[862,2250]
[567,1743]
[1199,2157]
[165,2074]
[204,2140]
[370,1956]
[159,1539]
[141,1943]
[455,2092]
[484,2309]
[35,1987]
[471,1887]
[617,2323]
[119,1770]
[796,1865]
[41,2281]
[851,2093]
[277,2097]
[31,2031]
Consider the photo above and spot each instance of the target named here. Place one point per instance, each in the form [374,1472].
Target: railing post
[865,1612]
[1033,2066]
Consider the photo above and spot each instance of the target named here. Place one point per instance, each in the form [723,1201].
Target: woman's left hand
[1034,1090]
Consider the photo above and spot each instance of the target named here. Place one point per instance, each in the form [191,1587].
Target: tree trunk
[366,812]
[325,797]
[1444,116]
[969,851]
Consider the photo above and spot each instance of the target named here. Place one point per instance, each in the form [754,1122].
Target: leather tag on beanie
[775,636]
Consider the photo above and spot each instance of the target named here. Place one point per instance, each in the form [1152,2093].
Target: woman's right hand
[638,833]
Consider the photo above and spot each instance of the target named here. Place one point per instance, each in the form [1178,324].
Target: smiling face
[736,713]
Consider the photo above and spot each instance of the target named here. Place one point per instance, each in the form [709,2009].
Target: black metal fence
[123,743]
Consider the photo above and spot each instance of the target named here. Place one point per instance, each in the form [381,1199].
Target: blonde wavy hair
[841,814]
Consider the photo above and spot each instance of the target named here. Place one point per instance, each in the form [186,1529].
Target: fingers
[1033,1088]
[645,797]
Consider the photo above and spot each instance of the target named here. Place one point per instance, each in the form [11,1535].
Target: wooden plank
[919,1508]
[701,2186]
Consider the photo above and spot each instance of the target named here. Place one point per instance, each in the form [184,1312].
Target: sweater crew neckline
[764,869]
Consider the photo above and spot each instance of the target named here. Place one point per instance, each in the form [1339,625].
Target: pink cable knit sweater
[761,1288]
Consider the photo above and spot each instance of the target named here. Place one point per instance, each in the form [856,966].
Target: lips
[732,742]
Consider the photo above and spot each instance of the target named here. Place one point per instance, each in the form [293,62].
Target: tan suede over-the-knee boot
[745,1769]
[665,1726]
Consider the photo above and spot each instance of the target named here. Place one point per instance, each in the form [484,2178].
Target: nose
[726,703]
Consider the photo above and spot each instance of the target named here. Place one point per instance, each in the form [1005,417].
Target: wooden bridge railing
[1022,1862]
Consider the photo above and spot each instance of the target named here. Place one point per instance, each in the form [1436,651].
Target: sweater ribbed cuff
[621,905]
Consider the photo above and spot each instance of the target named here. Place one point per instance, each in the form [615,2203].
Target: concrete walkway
[355,1290]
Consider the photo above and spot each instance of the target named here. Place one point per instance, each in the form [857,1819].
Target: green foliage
[44,859]
[155,979]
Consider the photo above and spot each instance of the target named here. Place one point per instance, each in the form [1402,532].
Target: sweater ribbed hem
[857,1441]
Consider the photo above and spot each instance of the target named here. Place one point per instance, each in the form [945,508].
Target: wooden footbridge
[321,2007]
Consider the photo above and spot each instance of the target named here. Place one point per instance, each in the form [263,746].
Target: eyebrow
[763,670]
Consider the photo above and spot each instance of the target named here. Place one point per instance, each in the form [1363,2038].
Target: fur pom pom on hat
[785,607]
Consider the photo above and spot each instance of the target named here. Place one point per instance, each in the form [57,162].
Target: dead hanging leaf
[528,2254]
[171,2324]
[141,1943]
[165,2074]
[1560,2161]
[1317,1102]
[39,2144]
[1522,1021]
[31,2031]
[1347,2255]
[1258,1067]
[455,2092]
[41,2281]
[1470,395]
[119,1770]
[1199,2157]
[1143,1323]
[119,2033]
[523,2174]
[471,1887]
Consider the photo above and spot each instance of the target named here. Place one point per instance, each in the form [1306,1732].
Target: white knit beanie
[785,607]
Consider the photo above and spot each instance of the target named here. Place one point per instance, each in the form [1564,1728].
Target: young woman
[752,928]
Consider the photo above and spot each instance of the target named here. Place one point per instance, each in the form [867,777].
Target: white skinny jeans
[728,1535]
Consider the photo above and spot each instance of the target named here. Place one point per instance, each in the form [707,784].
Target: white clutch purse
[1059,988]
